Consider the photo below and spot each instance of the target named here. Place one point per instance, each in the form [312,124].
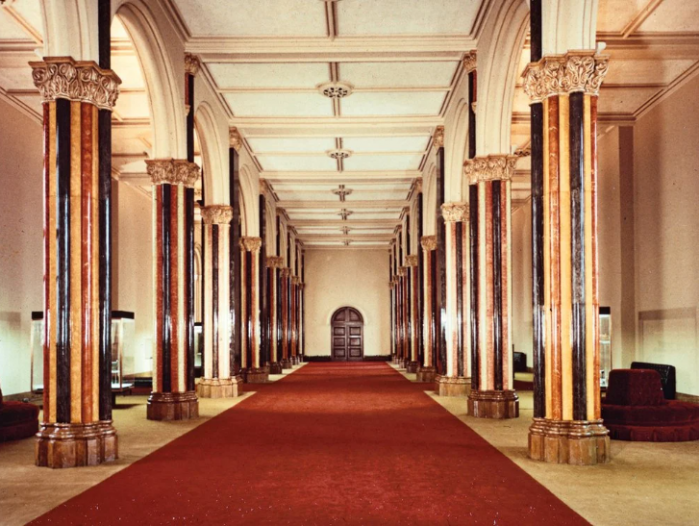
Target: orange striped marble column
[254,371]
[413,314]
[492,394]
[274,264]
[455,380]
[71,432]
[430,331]
[217,381]
[172,398]
[285,279]
[568,429]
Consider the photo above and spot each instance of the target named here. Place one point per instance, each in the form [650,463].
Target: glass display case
[36,345]
[123,333]
[198,349]
[605,340]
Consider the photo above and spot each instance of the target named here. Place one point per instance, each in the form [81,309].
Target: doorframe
[361,324]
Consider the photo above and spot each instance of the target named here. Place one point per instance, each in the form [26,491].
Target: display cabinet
[36,345]
[123,333]
[605,343]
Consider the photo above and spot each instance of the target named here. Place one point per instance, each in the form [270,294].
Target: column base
[426,375]
[74,445]
[218,388]
[493,404]
[452,386]
[275,368]
[286,363]
[256,376]
[411,367]
[580,442]
[172,406]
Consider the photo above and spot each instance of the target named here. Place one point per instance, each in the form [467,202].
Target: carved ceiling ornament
[455,212]
[250,244]
[563,74]
[439,137]
[274,262]
[429,243]
[469,61]
[412,260]
[172,171]
[235,140]
[80,81]
[499,167]
[217,214]
[192,64]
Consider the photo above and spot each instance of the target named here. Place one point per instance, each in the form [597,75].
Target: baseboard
[317,358]
[379,358]
[21,397]
[687,398]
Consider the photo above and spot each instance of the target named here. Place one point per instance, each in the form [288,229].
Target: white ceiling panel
[413,143]
[645,71]
[397,74]
[626,100]
[291,145]
[297,163]
[269,75]
[382,162]
[279,105]
[243,18]
[673,16]
[393,103]
[11,30]
[406,17]
[30,10]
[614,15]
[16,78]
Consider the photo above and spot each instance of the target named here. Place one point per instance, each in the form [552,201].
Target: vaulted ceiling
[343,167]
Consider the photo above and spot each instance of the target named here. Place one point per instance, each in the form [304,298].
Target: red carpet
[329,444]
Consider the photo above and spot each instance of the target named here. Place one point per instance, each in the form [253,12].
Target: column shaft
[274,264]
[427,370]
[412,278]
[255,371]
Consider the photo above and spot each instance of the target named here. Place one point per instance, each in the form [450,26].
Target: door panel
[346,335]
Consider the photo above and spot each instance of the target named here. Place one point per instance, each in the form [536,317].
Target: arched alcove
[347,335]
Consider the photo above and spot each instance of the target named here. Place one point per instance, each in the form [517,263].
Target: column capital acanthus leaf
[192,64]
[469,61]
[412,260]
[497,167]
[172,171]
[217,214]
[576,71]
[429,243]
[235,139]
[79,81]
[439,137]
[455,212]
[251,244]
[274,262]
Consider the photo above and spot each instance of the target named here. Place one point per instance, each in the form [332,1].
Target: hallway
[342,443]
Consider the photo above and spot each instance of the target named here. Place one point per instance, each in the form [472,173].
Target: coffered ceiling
[399,60]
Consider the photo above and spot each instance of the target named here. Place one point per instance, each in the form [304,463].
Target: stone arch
[214,154]
[429,201]
[249,205]
[70,29]
[457,150]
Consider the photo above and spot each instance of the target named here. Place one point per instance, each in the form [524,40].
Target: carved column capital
[235,140]
[469,61]
[439,137]
[429,243]
[80,81]
[419,185]
[172,171]
[251,244]
[296,280]
[285,272]
[455,212]
[581,71]
[401,272]
[499,167]
[217,214]
[412,261]
[274,262]
[192,64]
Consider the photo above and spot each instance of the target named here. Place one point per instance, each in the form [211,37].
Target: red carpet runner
[329,444]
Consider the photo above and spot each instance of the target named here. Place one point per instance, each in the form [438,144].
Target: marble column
[274,264]
[293,333]
[430,331]
[173,397]
[413,315]
[217,381]
[75,429]
[492,394]
[285,287]
[567,426]
[455,379]
[254,371]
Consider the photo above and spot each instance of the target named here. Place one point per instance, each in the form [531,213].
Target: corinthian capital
[192,64]
[439,137]
[274,262]
[469,61]
[498,167]
[251,244]
[412,260]
[455,212]
[80,81]
[172,171]
[234,139]
[428,242]
[217,214]
[581,71]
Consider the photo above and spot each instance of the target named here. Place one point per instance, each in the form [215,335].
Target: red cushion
[12,413]
[670,414]
[635,387]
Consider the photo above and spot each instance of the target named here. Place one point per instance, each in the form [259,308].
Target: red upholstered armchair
[635,409]
[17,420]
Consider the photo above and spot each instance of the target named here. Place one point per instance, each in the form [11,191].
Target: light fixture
[339,153]
[335,90]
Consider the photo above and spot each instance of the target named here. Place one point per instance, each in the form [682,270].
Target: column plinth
[74,445]
[411,367]
[172,406]
[426,374]
[452,385]
[257,375]
[219,388]
[580,443]
[493,404]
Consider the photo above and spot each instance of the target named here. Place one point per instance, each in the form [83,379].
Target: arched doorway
[346,335]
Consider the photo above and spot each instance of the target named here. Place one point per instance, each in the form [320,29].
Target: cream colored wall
[132,273]
[340,278]
[522,279]
[21,264]
[666,234]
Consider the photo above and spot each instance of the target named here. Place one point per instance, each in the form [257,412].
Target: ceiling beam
[313,123]
[318,238]
[334,177]
[350,223]
[337,205]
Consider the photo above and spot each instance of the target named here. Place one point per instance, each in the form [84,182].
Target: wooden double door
[346,335]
